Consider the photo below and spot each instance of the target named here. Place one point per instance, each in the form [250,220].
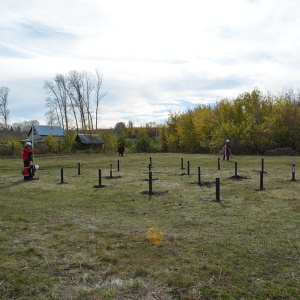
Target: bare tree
[24,126]
[79,93]
[72,104]
[4,111]
[58,102]
[54,103]
[75,80]
[99,95]
[88,89]
[53,113]
[120,127]
[63,93]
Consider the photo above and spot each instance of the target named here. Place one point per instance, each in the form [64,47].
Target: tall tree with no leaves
[4,111]
[99,95]
[61,83]
[76,85]
[78,93]
[57,102]
[88,89]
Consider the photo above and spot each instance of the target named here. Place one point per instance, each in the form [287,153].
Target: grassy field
[72,240]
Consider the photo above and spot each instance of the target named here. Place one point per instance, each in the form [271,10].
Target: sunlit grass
[71,240]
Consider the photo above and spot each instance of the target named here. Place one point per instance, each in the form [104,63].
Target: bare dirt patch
[155,193]
[238,177]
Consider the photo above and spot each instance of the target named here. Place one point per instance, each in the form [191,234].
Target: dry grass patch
[73,241]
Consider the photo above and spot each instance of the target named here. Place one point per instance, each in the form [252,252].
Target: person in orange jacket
[27,154]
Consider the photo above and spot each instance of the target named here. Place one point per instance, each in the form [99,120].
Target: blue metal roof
[45,130]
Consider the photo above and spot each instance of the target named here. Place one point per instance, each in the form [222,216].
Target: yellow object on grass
[154,236]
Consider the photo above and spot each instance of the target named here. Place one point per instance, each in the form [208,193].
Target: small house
[38,133]
[89,141]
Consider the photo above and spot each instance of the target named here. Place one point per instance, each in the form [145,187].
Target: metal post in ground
[199,176]
[293,172]
[110,171]
[118,165]
[219,163]
[182,164]
[150,163]
[188,167]
[262,165]
[235,169]
[78,168]
[150,179]
[61,175]
[218,189]
[99,177]
[261,180]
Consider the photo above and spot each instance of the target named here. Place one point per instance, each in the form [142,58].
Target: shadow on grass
[21,181]
[158,193]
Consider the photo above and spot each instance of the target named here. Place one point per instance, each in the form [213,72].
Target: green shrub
[11,147]
[143,143]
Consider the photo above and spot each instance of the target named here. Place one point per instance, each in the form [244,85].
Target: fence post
[78,168]
[199,176]
[293,172]
[219,163]
[110,171]
[99,177]
[218,189]
[261,180]
[188,167]
[150,179]
[61,175]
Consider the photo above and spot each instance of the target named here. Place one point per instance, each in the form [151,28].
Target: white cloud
[155,56]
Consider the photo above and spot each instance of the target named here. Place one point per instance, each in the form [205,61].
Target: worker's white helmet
[227,141]
[37,167]
[28,144]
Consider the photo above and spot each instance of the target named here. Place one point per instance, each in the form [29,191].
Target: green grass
[75,241]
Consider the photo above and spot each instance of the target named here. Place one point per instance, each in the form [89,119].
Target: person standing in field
[121,150]
[227,150]
[27,154]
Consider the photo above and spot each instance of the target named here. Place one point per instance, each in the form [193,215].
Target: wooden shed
[87,141]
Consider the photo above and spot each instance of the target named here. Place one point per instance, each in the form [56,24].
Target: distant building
[38,133]
[88,141]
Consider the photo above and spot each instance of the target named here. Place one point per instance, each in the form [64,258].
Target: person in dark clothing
[121,150]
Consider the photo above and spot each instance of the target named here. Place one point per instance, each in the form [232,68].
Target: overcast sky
[155,56]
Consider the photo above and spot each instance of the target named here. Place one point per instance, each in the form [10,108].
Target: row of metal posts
[188,172]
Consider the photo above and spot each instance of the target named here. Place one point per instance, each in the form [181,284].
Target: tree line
[254,122]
